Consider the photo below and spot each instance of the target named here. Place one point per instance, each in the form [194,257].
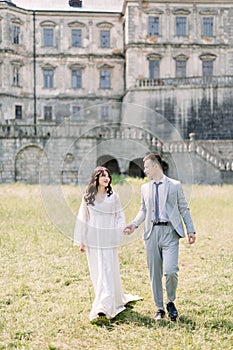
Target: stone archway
[136,167]
[109,162]
[28,165]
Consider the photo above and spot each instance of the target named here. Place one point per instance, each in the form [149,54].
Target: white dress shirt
[162,200]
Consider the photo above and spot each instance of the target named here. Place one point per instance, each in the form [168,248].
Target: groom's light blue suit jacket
[176,208]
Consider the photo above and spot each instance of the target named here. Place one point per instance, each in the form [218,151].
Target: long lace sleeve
[81,226]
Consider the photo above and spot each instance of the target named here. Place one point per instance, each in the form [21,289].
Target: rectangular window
[18,112]
[76,79]
[153,26]
[48,113]
[16,35]
[48,37]
[105,79]
[76,37]
[16,76]
[181,26]
[154,68]
[207,68]
[208,26]
[180,69]
[105,113]
[105,38]
[76,113]
[48,78]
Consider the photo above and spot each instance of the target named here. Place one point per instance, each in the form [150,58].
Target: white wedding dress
[100,229]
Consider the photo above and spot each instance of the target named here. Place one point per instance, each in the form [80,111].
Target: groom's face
[150,168]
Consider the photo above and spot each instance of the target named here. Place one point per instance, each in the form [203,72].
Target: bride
[99,231]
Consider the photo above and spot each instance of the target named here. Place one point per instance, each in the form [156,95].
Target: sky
[94,5]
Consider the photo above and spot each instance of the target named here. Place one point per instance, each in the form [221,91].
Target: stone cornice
[190,45]
[181,11]
[76,24]
[208,56]
[105,66]
[154,57]
[16,20]
[74,66]
[48,24]
[103,25]
[18,63]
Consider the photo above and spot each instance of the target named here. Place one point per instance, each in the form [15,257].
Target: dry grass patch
[46,292]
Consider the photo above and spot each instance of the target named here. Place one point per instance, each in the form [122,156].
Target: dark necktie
[157,201]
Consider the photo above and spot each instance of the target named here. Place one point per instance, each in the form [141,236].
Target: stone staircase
[217,153]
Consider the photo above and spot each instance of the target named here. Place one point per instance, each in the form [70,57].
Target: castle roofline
[63,5]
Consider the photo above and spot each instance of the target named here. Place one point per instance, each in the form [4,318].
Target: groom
[163,205]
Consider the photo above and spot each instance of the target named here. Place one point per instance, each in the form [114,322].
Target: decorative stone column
[192,142]
[123,165]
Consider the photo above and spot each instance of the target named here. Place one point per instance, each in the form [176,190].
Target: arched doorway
[110,163]
[28,165]
[136,167]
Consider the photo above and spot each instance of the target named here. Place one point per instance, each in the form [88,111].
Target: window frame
[106,45]
[48,110]
[16,32]
[104,110]
[76,73]
[76,109]
[181,28]
[48,79]
[20,115]
[206,69]
[79,40]
[152,69]
[105,79]
[16,75]
[206,31]
[156,31]
[182,68]
[50,37]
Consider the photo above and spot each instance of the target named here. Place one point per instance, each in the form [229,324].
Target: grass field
[46,292]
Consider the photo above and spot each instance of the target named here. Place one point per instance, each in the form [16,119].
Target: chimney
[75,3]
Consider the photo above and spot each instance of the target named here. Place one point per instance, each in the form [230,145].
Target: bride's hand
[82,248]
[129,229]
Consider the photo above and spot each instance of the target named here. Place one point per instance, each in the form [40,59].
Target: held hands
[191,238]
[82,248]
[129,229]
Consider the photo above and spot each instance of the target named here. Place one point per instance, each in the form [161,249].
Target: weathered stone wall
[206,111]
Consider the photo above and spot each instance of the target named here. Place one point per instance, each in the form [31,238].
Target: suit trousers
[162,248]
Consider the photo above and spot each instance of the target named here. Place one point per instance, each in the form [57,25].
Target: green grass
[46,292]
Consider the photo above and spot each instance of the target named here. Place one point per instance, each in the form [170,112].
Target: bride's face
[104,179]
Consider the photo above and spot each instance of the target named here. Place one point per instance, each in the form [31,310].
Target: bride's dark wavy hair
[93,184]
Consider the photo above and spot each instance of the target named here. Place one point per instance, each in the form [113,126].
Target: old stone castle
[106,81]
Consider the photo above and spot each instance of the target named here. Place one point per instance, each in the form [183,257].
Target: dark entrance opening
[110,163]
[136,167]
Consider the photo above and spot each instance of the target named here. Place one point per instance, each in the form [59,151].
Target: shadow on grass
[130,316]
[127,316]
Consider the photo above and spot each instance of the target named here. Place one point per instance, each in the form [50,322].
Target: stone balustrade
[190,81]
[114,131]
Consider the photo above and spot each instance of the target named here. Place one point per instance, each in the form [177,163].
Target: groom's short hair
[154,157]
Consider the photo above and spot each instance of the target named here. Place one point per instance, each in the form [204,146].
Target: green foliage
[118,179]
[46,292]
